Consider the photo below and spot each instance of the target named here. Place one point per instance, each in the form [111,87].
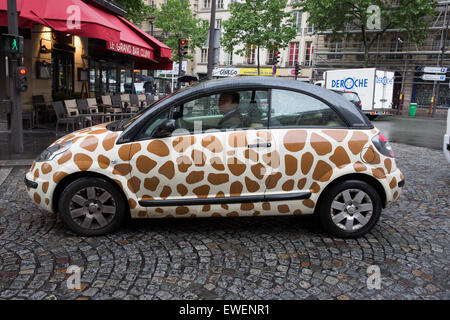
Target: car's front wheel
[350,209]
[91,207]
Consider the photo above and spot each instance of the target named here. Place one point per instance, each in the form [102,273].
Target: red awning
[120,35]
[63,15]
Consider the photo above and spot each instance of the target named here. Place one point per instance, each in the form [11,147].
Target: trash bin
[412,109]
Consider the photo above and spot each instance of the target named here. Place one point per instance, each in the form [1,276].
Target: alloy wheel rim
[92,208]
[351,209]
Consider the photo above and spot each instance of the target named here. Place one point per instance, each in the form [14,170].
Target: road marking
[4,172]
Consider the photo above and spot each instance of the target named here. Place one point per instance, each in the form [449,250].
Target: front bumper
[30,184]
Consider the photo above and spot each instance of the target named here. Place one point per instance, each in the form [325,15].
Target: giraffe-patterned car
[224,148]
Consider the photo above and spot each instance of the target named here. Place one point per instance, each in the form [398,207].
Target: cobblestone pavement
[235,258]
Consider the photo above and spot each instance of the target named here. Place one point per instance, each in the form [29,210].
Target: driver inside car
[228,107]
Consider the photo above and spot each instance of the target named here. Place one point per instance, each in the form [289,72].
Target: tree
[137,10]
[259,23]
[372,17]
[175,18]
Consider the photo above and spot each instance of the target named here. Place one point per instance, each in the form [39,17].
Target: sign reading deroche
[130,49]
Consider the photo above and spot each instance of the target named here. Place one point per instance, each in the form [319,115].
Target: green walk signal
[14,46]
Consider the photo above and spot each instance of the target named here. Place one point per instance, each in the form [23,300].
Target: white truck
[374,87]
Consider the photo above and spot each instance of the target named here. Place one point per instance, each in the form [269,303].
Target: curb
[16,163]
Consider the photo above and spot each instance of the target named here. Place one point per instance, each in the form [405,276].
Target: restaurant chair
[93,108]
[62,116]
[134,103]
[40,107]
[109,107]
[142,101]
[83,108]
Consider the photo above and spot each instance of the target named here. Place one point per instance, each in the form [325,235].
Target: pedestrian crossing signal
[12,44]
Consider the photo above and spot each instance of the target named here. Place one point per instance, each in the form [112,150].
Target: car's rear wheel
[350,209]
[91,207]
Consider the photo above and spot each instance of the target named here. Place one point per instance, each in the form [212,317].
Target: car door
[204,168]
[305,131]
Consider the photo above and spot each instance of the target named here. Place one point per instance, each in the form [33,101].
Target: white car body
[446,146]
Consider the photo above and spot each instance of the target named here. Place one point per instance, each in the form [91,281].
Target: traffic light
[183,47]
[12,44]
[276,58]
[21,79]
[298,69]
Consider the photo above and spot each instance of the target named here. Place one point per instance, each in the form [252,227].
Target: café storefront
[103,54]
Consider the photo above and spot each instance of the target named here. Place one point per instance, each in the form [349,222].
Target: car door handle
[260,145]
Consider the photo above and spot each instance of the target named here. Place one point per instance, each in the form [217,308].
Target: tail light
[382,145]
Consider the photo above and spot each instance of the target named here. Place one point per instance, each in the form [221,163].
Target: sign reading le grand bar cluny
[130,49]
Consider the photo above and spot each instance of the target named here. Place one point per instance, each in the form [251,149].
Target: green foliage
[137,10]
[410,16]
[176,19]
[262,23]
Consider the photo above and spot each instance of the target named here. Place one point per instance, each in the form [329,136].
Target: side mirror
[165,129]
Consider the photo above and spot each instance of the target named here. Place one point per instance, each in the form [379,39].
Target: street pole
[441,60]
[212,26]
[180,67]
[15,96]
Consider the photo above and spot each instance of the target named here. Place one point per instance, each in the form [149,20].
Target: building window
[251,54]
[219,24]
[335,47]
[310,28]
[204,57]
[219,4]
[298,21]
[396,46]
[293,53]
[206,4]
[229,61]
[308,53]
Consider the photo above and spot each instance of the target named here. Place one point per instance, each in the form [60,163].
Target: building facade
[393,51]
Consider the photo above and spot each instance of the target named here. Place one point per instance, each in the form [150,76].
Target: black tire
[112,219]
[325,211]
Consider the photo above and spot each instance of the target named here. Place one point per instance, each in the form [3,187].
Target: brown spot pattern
[158,148]
[218,179]
[109,140]
[122,169]
[82,161]
[167,170]
[357,142]
[340,157]
[272,159]
[66,156]
[195,176]
[181,144]
[306,162]
[182,190]
[378,173]
[294,140]
[89,143]
[151,183]
[323,171]
[144,164]
[321,145]
[58,176]
[338,135]
[291,164]
[237,140]
[217,164]
[236,167]
[288,185]
[166,191]
[272,180]
[251,185]
[236,189]
[183,163]
[46,168]
[202,191]
[103,162]
[283,208]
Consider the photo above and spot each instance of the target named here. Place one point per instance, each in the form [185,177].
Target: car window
[350,96]
[223,111]
[149,129]
[294,109]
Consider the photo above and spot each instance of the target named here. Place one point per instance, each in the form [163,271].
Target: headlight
[53,151]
